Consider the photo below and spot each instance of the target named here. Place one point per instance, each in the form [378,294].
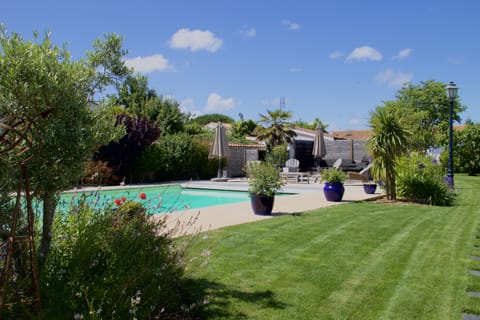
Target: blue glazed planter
[334,191]
[261,204]
[370,188]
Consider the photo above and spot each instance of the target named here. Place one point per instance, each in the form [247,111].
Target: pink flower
[142,196]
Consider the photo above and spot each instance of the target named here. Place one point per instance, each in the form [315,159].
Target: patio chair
[363,175]
[292,165]
[291,171]
[337,163]
[318,176]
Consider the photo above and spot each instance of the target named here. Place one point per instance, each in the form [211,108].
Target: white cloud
[403,54]
[364,53]
[188,106]
[291,25]
[354,121]
[195,40]
[249,32]
[149,64]
[394,79]
[335,55]
[295,69]
[216,103]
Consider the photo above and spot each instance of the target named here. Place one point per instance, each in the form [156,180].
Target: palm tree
[388,141]
[275,129]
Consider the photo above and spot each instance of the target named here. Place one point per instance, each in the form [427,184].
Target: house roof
[352,134]
[308,134]
[365,134]
[246,146]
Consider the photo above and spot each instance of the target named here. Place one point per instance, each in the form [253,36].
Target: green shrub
[264,179]
[278,155]
[113,265]
[422,180]
[334,175]
[175,157]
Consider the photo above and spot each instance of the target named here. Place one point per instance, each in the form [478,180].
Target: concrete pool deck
[306,197]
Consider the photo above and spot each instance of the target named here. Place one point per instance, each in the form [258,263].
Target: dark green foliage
[312,126]
[107,61]
[430,96]
[138,99]
[122,155]
[242,128]
[193,128]
[424,110]
[467,149]
[387,142]
[275,128]
[175,157]
[167,115]
[213,117]
[113,265]
[134,93]
[278,155]
[422,180]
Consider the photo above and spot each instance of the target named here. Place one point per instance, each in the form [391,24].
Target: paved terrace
[306,197]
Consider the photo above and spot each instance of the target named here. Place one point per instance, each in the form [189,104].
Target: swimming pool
[158,199]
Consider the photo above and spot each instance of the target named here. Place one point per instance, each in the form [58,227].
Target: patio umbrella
[319,149]
[219,147]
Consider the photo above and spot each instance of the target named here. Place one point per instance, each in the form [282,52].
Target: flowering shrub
[110,265]
[421,179]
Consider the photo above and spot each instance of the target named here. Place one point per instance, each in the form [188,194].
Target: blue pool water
[159,199]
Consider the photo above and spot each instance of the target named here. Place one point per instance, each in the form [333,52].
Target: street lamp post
[452,94]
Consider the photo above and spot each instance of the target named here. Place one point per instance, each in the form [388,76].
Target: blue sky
[332,60]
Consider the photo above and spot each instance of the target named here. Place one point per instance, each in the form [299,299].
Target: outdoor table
[297,176]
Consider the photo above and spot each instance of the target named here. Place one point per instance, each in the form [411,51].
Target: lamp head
[452,90]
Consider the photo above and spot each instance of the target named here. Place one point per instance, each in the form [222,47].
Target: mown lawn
[353,261]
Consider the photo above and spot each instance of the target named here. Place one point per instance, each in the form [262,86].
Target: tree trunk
[392,187]
[49,205]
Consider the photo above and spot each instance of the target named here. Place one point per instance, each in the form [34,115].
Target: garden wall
[239,155]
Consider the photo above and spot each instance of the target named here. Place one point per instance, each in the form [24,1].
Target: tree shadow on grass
[221,298]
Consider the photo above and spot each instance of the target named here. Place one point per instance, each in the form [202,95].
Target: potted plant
[264,183]
[370,187]
[334,179]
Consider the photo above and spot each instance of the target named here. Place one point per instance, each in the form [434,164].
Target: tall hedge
[175,157]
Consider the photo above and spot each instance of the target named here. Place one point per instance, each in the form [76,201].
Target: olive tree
[39,78]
